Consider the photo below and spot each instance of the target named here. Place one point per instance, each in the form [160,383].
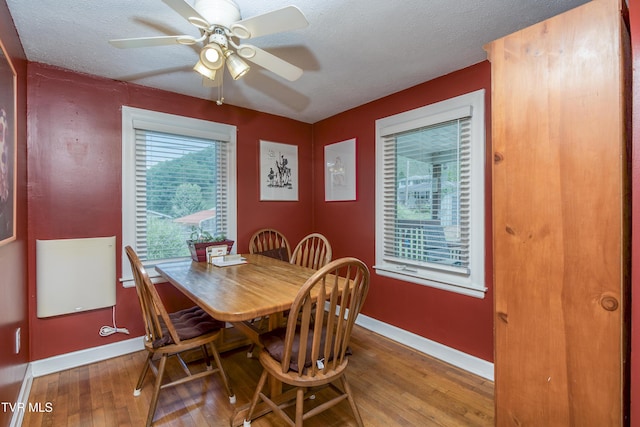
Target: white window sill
[414,277]
[155,279]
[128,281]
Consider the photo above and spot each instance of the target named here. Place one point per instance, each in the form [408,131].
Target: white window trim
[473,284]
[180,125]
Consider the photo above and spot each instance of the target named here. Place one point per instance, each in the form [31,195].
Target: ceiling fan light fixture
[236,66]
[211,56]
[204,70]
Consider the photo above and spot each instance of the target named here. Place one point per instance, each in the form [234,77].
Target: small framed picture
[278,171]
[340,171]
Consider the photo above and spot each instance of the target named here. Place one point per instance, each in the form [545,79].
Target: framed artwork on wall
[278,171]
[340,171]
[8,149]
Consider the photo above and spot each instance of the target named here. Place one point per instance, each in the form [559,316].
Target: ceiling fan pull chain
[220,91]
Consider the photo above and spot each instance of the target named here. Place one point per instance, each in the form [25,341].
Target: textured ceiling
[352,52]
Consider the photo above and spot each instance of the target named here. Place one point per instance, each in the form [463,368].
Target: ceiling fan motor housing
[218,12]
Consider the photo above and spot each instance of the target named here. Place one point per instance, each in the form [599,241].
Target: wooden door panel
[558,219]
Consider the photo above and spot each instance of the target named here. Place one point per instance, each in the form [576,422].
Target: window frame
[472,284]
[180,125]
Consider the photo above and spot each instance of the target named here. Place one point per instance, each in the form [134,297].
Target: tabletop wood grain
[237,293]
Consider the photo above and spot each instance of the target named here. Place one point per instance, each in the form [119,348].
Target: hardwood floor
[393,386]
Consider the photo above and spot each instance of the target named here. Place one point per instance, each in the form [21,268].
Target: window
[178,175]
[430,182]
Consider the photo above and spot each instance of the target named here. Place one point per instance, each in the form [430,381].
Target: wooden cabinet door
[559,209]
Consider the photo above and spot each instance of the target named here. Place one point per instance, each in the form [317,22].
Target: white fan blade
[285,19]
[270,62]
[152,41]
[188,12]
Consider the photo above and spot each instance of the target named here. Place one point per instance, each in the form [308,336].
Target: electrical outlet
[17,341]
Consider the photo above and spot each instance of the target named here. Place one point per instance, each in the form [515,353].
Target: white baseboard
[449,355]
[23,397]
[86,356]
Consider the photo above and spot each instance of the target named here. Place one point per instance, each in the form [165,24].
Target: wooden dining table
[262,288]
[238,294]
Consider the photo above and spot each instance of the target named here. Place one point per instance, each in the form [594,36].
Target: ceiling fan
[221,30]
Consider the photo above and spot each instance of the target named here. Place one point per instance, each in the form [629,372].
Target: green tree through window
[187,200]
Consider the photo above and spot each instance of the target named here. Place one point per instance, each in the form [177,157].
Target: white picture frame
[340,171]
[278,171]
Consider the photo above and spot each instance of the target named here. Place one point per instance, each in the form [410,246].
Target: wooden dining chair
[313,251]
[312,350]
[270,242]
[169,334]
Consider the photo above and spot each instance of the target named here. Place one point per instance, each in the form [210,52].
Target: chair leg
[255,398]
[156,390]
[143,374]
[352,402]
[299,406]
[207,358]
[225,380]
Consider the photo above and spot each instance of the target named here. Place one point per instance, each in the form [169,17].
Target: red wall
[74,157]
[462,322]
[13,256]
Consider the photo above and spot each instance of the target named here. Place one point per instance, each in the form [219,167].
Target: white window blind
[426,196]
[181,184]
[430,195]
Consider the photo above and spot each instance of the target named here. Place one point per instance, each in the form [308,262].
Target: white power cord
[105,331]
